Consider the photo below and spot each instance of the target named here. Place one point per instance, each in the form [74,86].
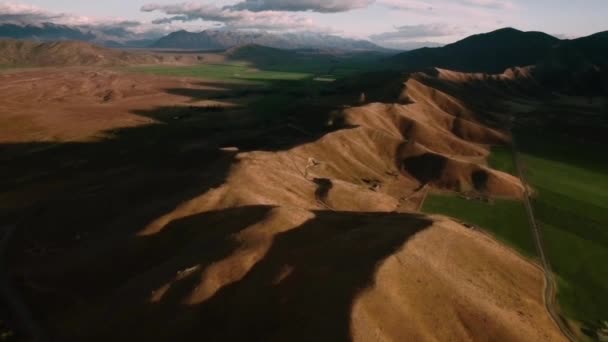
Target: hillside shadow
[122,290]
[425,168]
[219,91]
[303,288]
[278,115]
[74,203]
[78,204]
[324,185]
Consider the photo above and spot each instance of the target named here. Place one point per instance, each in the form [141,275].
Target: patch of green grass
[505,219]
[501,159]
[336,67]
[234,72]
[571,204]
[579,264]
[324,79]
[269,64]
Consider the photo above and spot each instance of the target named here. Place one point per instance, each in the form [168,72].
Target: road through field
[550,292]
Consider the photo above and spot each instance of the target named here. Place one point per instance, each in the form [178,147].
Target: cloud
[231,17]
[410,32]
[430,5]
[493,4]
[190,12]
[26,14]
[408,5]
[466,17]
[102,28]
[16,13]
[322,6]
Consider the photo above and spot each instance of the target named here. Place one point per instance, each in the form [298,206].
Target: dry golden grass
[318,241]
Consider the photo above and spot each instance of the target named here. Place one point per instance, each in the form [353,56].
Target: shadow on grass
[276,116]
[302,288]
[77,205]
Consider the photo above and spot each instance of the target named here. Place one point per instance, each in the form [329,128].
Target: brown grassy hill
[78,53]
[163,235]
[65,53]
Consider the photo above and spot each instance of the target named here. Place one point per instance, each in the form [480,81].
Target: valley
[268,194]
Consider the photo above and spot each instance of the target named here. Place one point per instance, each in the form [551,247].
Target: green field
[505,219]
[234,72]
[334,68]
[278,89]
[501,159]
[571,205]
[260,64]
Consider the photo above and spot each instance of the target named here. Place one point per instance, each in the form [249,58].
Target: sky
[390,23]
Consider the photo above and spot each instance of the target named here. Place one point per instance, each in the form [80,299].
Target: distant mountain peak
[44,31]
[212,39]
[506,29]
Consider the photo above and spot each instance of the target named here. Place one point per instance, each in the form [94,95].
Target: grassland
[282,87]
[505,219]
[501,159]
[330,66]
[259,64]
[226,72]
[571,205]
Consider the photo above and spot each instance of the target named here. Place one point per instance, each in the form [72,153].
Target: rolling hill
[304,222]
[592,49]
[66,53]
[236,234]
[492,52]
[577,66]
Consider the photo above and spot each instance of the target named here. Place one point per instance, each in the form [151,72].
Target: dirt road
[550,292]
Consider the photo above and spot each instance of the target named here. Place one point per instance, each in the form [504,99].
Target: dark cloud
[230,17]
[255,14]
[322,6]
[431,5]
[407,5]
[190,12]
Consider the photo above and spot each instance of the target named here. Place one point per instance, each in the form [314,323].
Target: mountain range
[574,66]
[496,51]
[44,32]
[205,40]
[224,39]
[47,32]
